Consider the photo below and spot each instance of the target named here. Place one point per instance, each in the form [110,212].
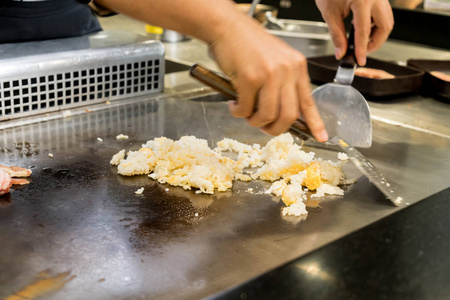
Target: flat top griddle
[78,217]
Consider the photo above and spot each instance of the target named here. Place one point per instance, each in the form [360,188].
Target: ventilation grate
[78,87]
[70,81]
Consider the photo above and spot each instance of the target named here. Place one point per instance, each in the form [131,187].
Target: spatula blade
[369,170]
[345,113]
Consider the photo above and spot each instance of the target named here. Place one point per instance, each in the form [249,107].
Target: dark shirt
[30,21]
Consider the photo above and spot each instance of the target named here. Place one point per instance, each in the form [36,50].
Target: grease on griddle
[26,149]
[161,218]
[61,173]
[5,150]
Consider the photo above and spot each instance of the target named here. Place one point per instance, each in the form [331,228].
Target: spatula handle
[301,129]
[349,59]
[213,80]
[224,86]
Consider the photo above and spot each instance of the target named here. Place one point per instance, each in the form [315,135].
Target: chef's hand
[373,21]
[270,78]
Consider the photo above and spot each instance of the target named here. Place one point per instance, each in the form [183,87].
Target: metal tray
[310,38]
[323,69]
[432,85]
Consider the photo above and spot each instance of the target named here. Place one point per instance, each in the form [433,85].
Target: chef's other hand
[373,21]
[270,78]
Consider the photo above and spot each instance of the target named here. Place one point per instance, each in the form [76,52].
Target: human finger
[288,111]
[247,87]
[308,107]
[267,105]
[383,21]
[377,38]
[362,23]
[337,32]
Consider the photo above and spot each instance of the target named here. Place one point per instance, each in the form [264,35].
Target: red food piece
[441,75]
[373,73]
[5,182]
[20,181]
[16,171]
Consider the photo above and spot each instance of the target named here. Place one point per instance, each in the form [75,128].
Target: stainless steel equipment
[79,218]
[251,11]
[369,170]
[310,38]
[171,36]
[300,129]
[274,23]
[259,10]
[342,107]
[46,76]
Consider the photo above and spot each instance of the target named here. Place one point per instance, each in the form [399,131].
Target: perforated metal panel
[48,82]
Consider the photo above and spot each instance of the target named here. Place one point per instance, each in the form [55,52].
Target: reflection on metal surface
[77,214]
[86,124]
[397,123]
[45,285]
[314,270]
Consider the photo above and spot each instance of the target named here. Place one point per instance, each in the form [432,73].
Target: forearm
[270,77]
[203,19]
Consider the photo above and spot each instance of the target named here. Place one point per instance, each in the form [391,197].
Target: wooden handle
[224,86]
[301,129]
[213,80]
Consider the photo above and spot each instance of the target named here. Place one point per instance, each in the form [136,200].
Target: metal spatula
[300,129]
[343,109]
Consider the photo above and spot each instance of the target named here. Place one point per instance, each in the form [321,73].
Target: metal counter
[80,222]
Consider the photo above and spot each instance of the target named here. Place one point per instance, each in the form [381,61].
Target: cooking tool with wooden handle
[301,130]
[224,86]
[343,108]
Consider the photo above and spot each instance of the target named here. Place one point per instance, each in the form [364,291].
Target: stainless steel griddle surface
[79,218]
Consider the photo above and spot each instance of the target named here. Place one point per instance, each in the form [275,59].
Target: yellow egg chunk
[313,180]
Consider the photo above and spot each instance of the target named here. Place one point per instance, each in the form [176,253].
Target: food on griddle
[190,163]
[122,137]
[16,171]
[441,75]
[5,182]
[373,73]
[139,191]
[342,156]
[7,179]
[115,160]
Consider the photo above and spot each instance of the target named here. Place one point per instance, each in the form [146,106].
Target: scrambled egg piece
[190,163]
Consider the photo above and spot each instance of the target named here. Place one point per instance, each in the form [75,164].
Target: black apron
[31,21]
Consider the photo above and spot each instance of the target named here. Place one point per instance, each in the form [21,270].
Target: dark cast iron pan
[323,69]
[432,85]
